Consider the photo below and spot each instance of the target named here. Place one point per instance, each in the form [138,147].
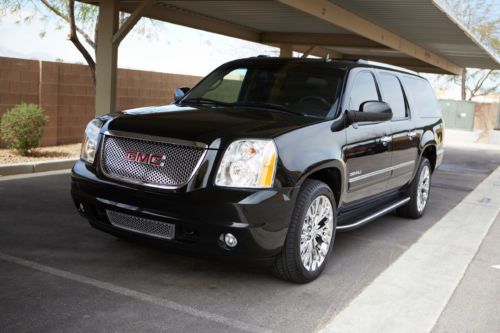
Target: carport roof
[417,34]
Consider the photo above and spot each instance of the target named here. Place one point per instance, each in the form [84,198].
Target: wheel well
[430,154]
[331,177]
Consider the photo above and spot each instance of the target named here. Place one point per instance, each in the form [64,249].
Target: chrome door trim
[378,172]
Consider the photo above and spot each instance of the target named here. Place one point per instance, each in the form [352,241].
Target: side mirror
[180,93]
[370,111]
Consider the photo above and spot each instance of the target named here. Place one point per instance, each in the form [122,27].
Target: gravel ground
[41,154]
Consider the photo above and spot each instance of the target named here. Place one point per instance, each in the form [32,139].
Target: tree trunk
[463,89]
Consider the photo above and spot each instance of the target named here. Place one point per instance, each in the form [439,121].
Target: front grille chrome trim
[141,225]
[150,138]
[154,138]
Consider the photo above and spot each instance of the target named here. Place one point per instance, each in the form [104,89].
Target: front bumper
[258,218]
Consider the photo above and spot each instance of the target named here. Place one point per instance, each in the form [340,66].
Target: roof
[338,63]
[417,34]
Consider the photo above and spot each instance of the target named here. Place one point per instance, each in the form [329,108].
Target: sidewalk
[412,293]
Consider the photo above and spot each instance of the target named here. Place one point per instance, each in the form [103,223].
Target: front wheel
[310,235]
[419,192]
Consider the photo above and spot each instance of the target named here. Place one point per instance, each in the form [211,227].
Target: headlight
[248,163]
[89,147]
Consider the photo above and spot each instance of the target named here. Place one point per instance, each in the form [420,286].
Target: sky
[172,48]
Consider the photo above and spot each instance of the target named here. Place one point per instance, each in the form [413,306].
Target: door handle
[412,134]
[385,140]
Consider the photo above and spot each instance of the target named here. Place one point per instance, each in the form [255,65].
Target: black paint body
[350,157]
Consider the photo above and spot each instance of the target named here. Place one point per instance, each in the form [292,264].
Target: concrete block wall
[66,93]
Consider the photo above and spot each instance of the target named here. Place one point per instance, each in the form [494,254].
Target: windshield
[306,89]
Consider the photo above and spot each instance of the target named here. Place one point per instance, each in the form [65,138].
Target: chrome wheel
[424,184]
[316,234]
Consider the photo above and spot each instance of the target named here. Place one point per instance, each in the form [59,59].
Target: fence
[66,93]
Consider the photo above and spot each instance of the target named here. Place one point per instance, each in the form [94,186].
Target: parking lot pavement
[58,274]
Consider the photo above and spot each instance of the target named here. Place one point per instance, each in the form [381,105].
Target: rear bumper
[258,218]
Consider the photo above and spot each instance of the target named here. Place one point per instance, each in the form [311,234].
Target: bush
[22,127]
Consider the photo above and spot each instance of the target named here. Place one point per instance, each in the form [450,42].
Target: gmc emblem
[151,159]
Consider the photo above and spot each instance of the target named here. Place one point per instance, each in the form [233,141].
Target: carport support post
[106,57]
[286,51]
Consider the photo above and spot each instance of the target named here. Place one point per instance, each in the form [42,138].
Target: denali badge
[151,159]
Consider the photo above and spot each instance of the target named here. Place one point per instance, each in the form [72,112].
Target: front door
[368,149]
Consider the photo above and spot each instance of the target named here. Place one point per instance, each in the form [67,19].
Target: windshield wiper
[265,105]
[201,100]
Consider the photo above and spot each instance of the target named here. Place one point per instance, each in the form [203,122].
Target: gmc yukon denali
[265,159]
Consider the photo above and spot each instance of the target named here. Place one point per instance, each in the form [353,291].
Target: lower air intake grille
[141,225]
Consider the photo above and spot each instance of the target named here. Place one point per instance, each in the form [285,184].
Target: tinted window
[228,88]
[393,95]
[310,89]
[364,89]
[422,96]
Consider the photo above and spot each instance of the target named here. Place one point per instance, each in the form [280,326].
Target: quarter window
[364,89]
[393,95]
[422,96]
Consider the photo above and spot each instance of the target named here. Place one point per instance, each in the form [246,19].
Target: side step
[373,216]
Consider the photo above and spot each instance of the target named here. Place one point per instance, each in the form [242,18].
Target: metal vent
[141,225]
[157,163]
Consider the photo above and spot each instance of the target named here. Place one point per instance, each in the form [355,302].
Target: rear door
[404,148]
[367,153]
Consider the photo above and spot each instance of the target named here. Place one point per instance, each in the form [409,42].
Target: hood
[208,124]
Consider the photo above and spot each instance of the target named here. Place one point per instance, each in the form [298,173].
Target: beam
[345,19]
[318,51]
[131,21]
[307,52]
[286,51]
[172,14]
[106,58]
[339,40]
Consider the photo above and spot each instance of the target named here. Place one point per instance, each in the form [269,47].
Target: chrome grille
[141,225]
[178,162]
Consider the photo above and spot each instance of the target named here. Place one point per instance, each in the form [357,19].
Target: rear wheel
[419,192]
[310,235]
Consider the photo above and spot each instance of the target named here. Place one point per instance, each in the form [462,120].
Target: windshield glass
[306,89]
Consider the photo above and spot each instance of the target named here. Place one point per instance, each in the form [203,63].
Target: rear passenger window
[422,96]
[393,95]
[364,89]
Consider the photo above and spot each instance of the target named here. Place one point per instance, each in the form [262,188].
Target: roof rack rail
[381,64]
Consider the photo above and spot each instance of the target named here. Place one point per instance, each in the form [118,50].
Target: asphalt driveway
[59,274]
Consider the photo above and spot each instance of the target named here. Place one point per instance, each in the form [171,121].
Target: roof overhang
[418,35]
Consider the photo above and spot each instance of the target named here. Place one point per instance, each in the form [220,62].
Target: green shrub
[22,127]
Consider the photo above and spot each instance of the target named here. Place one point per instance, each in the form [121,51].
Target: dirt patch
[41,154]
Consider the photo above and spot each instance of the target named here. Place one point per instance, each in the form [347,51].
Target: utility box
[458,114]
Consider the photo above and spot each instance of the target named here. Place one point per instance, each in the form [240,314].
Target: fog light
[230,240]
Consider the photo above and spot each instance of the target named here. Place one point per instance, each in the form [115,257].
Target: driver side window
[364,89]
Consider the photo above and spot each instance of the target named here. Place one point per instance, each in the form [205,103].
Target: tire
[414,208]
[289,264]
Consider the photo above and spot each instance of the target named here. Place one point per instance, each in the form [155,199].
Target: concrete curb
[24,168]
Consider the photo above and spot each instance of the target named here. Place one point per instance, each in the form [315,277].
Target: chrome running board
[373,216]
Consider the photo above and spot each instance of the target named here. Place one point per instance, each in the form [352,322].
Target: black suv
[265,159]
